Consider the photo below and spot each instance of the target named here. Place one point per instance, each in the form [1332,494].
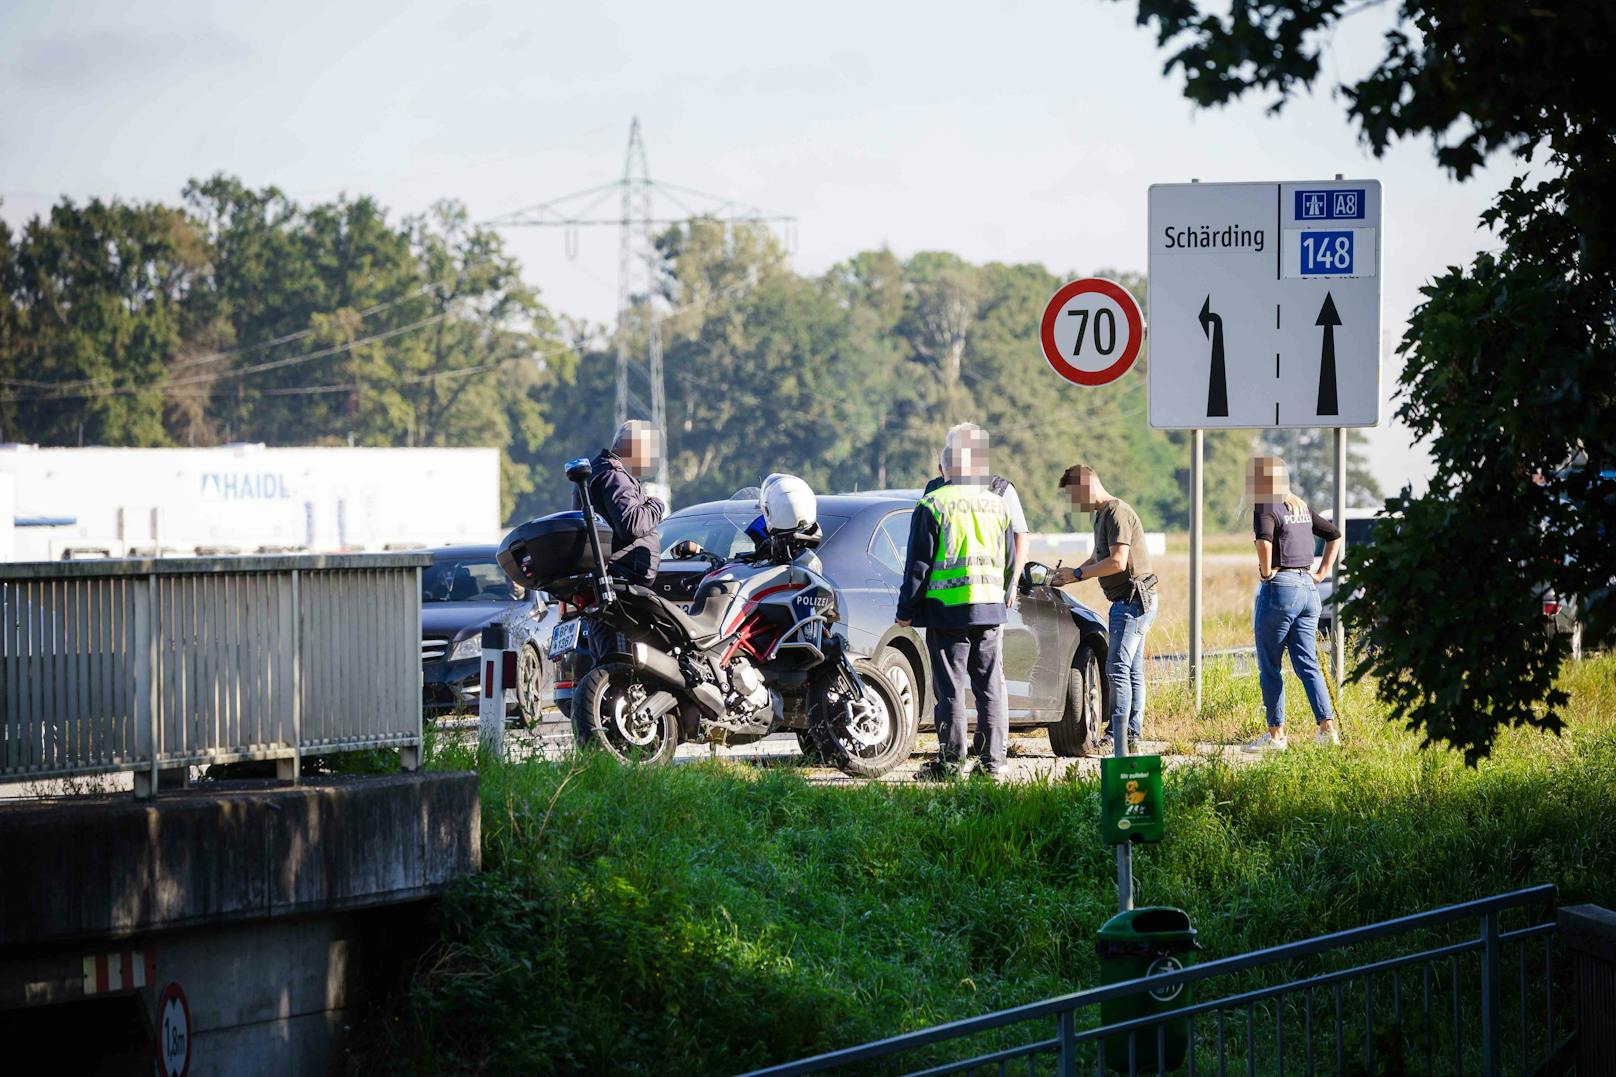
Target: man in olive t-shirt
[1122,564]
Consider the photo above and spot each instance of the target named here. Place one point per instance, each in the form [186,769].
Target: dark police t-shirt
[1291,533]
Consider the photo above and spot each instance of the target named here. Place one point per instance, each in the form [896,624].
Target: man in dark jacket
[619,496]
[954,585]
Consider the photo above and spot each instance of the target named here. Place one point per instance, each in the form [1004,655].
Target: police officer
[955,585]
[634,516]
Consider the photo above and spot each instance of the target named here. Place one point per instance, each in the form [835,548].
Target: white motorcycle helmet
[788,503]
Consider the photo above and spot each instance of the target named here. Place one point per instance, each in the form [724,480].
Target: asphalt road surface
[1030,756]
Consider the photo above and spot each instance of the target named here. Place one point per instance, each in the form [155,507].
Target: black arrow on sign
[1329,319]
[1217,390]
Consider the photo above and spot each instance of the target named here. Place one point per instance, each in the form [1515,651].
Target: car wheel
[1079,729]
[529,686]
[895,667]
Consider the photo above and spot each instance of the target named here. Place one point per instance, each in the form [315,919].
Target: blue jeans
[1125,662]
[1287,617]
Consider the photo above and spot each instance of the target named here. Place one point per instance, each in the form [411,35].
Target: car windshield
[467,579]
[724,533]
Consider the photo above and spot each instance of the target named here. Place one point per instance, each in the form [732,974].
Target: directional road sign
[1091,331]
[1265,304]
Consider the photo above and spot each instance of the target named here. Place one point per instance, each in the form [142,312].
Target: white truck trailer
[241,498]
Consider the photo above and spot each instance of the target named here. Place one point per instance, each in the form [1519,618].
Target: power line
[213,357]
[95,393]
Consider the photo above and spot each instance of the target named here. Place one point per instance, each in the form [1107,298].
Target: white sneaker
[1267,743]
[1330,738]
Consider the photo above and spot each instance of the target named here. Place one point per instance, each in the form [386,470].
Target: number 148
[1326,252]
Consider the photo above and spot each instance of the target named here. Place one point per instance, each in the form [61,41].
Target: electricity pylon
[637,264]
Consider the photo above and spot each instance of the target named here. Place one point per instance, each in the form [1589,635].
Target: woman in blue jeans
[1286,615]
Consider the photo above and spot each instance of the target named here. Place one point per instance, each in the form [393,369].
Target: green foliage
[709,918]
[1510,363]
[243,316]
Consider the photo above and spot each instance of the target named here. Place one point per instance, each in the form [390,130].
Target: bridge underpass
[221,926]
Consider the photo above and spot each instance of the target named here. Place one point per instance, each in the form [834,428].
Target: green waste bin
[1143,942]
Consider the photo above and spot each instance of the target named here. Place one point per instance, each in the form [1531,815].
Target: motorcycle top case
[551,548]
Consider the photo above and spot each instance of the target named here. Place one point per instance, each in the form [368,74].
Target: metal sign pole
[1197,445]
[1119,742]
[1338,640]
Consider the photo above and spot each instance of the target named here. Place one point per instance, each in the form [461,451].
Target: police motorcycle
[758,651]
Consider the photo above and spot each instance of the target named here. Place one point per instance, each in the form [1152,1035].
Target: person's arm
[1331,534]
[1265,558]
[1019,544]
[1262,530]
[917,563]
[1109,565]
[632,511]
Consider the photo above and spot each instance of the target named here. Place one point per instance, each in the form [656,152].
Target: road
[1030,756]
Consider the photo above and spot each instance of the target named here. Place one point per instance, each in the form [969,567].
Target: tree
[1310,456]
[1510,363]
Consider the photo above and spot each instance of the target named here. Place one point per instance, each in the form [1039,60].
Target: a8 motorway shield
[1265,304]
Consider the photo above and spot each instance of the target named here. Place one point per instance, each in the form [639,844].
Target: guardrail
[146,666]
[1419,1000]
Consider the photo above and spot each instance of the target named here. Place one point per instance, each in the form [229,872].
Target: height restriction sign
[1265,304]
[1091,331]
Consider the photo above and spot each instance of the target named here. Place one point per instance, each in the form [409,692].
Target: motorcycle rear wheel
[613,710]
[845,749]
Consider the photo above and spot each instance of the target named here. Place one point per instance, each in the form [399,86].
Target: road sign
[1131,798]
[1091,331]
[173,1032]
[1265,304]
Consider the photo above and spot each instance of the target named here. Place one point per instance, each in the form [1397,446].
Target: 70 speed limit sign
[1091,331]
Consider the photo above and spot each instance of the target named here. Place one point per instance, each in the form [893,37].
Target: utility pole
[639,375]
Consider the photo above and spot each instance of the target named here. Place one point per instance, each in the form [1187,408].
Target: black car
[463,591]
[1054,646]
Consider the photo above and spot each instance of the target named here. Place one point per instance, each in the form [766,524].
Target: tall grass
[714,917]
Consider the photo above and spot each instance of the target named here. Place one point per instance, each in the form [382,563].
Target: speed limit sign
[1091,331]
[173,1032]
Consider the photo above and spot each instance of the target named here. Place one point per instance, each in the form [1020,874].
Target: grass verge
[711,918]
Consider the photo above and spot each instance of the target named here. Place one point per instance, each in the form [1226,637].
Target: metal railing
[1420,994]
[147,666]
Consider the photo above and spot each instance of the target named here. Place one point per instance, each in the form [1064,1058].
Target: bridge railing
[1455,991]
[146,666]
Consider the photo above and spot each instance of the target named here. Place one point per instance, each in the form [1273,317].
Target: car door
[1055,637]
[885,553]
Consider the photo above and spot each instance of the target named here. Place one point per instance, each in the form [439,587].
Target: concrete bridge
[213,926]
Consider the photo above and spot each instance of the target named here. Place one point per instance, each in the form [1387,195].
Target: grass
[715,917]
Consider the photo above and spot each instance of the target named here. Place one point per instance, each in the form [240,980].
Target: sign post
[1091,333]
[1265,312]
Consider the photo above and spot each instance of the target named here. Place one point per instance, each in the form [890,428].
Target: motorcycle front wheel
[864,737]
[615,710]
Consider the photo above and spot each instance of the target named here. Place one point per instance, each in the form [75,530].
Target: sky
[1014,132]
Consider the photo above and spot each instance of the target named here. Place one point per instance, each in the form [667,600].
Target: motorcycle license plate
[564,638]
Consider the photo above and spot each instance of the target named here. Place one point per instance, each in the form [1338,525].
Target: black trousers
[969,660]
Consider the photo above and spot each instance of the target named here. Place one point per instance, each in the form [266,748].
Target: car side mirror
[1035,574]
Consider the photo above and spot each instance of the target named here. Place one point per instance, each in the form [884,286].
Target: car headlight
[470,647]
